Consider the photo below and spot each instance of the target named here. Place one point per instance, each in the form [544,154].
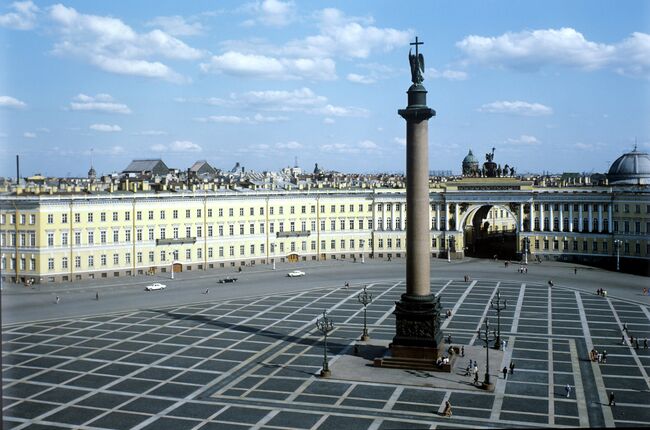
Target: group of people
[523,269]
[466,278]
[601,292]
[441,361]
[600,357]
[505,370]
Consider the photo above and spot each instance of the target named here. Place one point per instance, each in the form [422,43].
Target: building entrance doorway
[178,267]
[292,258]
[491,230]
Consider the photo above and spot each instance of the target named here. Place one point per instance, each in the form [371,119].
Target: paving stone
[104,400]
[516,404]
[27,409]
[565,408]
[294,420]
[327,388]
[526,389]
[146,405]
[242,414]
[171,424]
[74,415]
[119,420]
[334,422]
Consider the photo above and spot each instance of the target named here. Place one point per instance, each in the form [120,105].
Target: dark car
[227,280]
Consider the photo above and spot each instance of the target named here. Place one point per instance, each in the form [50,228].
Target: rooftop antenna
[634,143]
[295,161]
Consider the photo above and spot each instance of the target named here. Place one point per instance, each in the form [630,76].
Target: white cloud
[110,151]
[176,25]
[266,67]
[150,133]
[98,103]
[234,119]
[450,75]
[524,139]
[516,107]
[111,45]
[105,127]
[532,50]
[177,146]
[360,79]
[580,145]
[274,13]
[364,146]
[29,135]
[310,57]
[288,145]
[329,120]
[23,17]
[11,102]
[400,141]
[350,111]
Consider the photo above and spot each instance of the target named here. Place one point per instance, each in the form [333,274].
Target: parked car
[295,273]
[155,286]
[227,280]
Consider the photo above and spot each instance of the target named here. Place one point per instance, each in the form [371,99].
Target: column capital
[416,114]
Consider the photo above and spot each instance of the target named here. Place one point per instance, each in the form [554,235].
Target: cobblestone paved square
[255,362]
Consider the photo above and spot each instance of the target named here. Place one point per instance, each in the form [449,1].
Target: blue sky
[553,86]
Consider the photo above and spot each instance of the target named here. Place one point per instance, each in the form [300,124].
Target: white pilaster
[402,221]
[438,216]
[591,218]
[580,223]
[446,216]
[531,227]
[521,217]
[610,222]
[571,217]
[457,217]
[600,217]
[550,217]
[392,216]
[561,217]
[383,217]
[541,217]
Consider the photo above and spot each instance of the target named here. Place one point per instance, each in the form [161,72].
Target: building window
[127,235]
[584,246]
[50,263]
[127,216]
[188,254]
[152,256]
[241,229]
[91,261]
[102,259]
[116,259]
[116,236]
[151,215]
[50,219]
[575,245]
[91,238]
[151,234]
[199,253]
[209,213]
[332,244]
[210,252]
[604,246]
[210,231]
[50,239]
[251,228]
[536,243]
[138,235]
[198,213]
[545,243]
[102,236]
[77,262]
[199,231]
[115,216]
[556,245]
[162,232]
[64,263]
[32,219]
[138,257]
[221,251]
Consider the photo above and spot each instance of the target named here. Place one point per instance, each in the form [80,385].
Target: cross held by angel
[417,63]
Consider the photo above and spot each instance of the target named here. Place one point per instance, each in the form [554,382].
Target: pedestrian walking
[612,399]
[476,377]
[206,291]
[568,390]
[604,356]
[550,283]
[447,411]
[622,339]
[58,299]
[645,343]
[475,371]
[636,343]
[449,339]
[462,351]
[512,367]
[625,327]
[505,372]
[525,269]
[575,270]
[503,345]
[96,295]
[467,371]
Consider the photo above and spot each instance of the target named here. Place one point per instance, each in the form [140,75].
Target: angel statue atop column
[417,67]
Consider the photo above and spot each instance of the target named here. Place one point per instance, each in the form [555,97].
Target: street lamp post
[449,250]
[364,298]
[486,338]
[363,242]
[617,245]
[171,253]
[526,248]
[325,325]
[496,305]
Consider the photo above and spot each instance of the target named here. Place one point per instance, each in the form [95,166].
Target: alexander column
[417,313]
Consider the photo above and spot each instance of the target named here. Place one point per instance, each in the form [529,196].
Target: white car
[155,286]
[295,273]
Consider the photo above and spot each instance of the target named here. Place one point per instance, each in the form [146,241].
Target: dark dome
[630,168]
[470,159]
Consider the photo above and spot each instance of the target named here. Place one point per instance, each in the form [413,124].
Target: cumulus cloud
[23,16]
[299,100]
[266,67]
[8,101]
[288,145]
[516,107]
[533,50]
[111,151]
[524,139]
[234,119]
[328,120]
[311,57]
[274,13]
[176,25]
[400,141]
[364,146]
[98,103]
[150,133]
[177,146]
[29,135]
[105,128]
[360,79]
[450,75]
[111,45]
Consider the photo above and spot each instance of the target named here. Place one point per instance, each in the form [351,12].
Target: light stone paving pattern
[253,363]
